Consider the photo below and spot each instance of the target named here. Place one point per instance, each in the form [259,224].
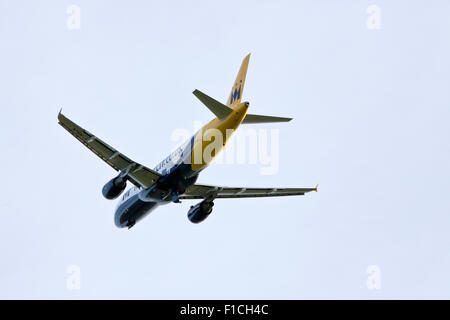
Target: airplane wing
[198,191]
[136,173]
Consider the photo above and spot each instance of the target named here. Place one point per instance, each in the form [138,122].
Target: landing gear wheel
[175,198]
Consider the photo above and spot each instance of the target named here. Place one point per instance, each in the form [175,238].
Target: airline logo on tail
[237,90]
[236,95]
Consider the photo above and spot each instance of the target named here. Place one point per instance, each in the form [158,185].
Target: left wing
[136,173]
[198,191]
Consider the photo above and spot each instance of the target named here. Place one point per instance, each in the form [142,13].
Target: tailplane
[256,118]
[221,111]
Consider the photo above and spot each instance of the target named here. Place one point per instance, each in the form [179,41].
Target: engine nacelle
[114,188]
[200,211]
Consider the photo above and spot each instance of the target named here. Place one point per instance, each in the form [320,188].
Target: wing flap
[204,191]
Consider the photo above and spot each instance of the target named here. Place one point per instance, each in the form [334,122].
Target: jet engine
[114,188]
[200,211]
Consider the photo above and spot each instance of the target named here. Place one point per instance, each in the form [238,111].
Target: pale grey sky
[371,113]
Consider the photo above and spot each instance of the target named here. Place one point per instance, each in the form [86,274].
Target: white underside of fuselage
[130,203]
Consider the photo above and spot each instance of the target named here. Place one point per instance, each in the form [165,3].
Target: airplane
[174,179]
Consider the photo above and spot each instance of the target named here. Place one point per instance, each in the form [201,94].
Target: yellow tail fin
[238,87]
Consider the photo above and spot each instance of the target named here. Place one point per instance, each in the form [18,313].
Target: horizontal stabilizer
[219,109]
[255,118]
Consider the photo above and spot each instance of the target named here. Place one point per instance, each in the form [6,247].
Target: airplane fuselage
[179,170]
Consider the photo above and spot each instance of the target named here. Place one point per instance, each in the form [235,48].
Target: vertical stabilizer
[238,86]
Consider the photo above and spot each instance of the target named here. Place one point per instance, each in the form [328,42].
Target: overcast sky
[370,98]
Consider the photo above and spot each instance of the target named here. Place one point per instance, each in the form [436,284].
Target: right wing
[198,191]
[136,173]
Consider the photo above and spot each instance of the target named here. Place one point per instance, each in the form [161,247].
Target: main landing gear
[175,197]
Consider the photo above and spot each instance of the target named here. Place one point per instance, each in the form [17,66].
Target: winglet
[317,186]
[59,113]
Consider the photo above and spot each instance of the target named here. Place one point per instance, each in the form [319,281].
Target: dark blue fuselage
[134,207]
